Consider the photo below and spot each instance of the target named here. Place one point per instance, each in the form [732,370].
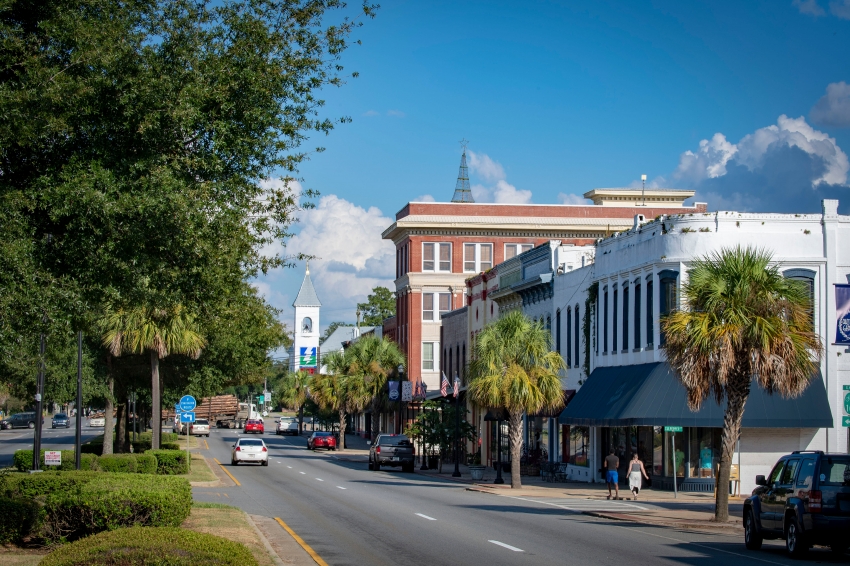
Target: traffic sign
[672,429]
[846,388]
[845,421]
[268,395]
[187,417]
[847,403]
[187,403]
[52,458]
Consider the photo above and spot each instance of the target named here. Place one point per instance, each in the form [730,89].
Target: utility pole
[39,394]
[78,436]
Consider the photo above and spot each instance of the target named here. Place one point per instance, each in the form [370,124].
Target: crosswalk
[583,505]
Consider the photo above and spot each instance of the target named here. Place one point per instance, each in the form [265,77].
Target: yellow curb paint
[303,544]
[223,469]
[205,444]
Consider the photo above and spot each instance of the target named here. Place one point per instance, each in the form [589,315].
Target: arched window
[558,331]
[668,296]
[577,337]
[307,325]
[636,301]
[650,320]
[569,359]
[549,322]
[807,278]
[625,318]
[614,325]
[605,322]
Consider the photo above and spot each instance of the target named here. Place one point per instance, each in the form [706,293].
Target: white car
[201,427]
[250,450]
[97,421]
[287,425]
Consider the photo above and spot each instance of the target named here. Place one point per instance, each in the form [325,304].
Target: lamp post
[456,473]
[78,436]
[403,410]
[424,444]
[39,394]
[499,479]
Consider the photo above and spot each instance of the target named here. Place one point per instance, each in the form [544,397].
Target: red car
[255,425]
[322,440]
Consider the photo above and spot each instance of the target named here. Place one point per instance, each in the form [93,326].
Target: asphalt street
[350,515]
[51,439]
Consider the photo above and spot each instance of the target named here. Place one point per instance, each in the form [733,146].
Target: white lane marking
[340,487]
[509,547]
[303,473]
[585,504]
[319,479]
[427,517]
[290,467]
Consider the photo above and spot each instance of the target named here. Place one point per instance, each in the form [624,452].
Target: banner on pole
[842,314]
[406,391]
[393,390]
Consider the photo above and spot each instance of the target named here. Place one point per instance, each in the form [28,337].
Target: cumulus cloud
[786,167]
[809,7]
[424,198]
[497,189]
[396,113]
[840,9]
[564,198]
[371,113]
[833,109]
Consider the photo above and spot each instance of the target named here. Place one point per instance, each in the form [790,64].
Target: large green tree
[513,367]
[293,392]
[741,323]
[339,391]
[373,360]
[379,305]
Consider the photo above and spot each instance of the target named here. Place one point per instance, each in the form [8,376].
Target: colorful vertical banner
[406,391]
[394,393]
[842,314]
[307,357]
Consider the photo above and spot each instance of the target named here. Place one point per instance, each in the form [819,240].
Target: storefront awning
[568,395]
[651,395]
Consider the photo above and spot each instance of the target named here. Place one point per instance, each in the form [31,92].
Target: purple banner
[394,394]
[842,314]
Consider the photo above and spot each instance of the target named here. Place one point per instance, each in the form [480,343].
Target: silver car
[287,425]
[201,427]
[250,450]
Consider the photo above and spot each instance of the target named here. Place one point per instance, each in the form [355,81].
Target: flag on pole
[456,388]
[444,385]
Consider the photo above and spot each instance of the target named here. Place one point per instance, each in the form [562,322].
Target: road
[350,515]
[51,439]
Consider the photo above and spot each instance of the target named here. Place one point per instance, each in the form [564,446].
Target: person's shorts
[612,477]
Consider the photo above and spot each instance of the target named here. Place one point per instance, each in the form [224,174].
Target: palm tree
[374,359]
[513,367]
[338,391]
[294,393]
[160,333]
[742,322]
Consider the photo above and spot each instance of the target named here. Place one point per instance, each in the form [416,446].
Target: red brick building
[440,245]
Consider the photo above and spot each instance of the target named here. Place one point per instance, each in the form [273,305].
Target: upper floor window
[513,250]
[668,294]
[807,278]
[625,319]
[477,257]
[435,305]
[429,350]
[436,256]
[576,336]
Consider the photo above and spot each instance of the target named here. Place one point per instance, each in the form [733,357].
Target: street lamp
[456,473]
[403,410]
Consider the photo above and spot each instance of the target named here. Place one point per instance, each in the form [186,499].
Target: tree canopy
[378,306]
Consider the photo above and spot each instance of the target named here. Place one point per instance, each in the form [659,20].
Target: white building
[304,352]
[626,391]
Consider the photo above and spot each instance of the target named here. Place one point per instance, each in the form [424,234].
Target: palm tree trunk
[121,429]
[301,419]
[108,422]
[737,391]
[516,447]
[156,408]
[376,424]
[341,443]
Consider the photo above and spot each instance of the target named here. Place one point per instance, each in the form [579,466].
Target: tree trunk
[737,392]
[156,408]
[516,447]
[121,429]
[301,419]
[341,444]
[376,418]
[108,423]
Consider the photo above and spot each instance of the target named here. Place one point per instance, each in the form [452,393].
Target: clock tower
[304,353]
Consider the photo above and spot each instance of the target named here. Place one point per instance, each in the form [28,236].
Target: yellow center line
[303,544]
[223,469]
[205,444]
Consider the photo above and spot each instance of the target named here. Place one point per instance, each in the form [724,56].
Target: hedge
[149,546]
[22,460]
[122,463]
[141,444]
[18,516]
[77,504]
[170,462]
[145,464]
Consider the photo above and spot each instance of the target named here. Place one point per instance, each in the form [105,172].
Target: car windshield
[322,434]
[202,421]
[287,420]
[399,440]
[835,471]
[247,442]
[60,416]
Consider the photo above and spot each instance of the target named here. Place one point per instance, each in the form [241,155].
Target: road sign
[847,403]
[672,429]
[52,458]
[846,388]
[268,396]
[845,421]
[187,403]
[187,417]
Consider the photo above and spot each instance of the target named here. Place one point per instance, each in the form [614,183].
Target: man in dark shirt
[611,477]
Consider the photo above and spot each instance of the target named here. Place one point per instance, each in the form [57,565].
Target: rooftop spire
[462,191]
[307,294]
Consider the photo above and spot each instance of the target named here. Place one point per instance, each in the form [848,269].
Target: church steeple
[463,193]
[307,296]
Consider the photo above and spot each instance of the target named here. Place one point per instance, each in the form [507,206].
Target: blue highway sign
[187,417]
[187,403]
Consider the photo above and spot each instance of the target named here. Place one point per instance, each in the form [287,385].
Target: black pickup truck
[391,450]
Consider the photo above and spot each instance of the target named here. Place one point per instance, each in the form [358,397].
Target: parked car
[255,425]
[805,500]
[321,439]
[287,425]
[97,421]
[20,420]
[178,427]
[391,450]
[201,427]
[250,450]
[60,420]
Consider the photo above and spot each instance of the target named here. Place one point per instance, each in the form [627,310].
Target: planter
[477,472]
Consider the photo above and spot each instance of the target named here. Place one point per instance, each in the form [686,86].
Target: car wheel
[31,425]
[265,462]
[371,467]
[752,537]
[377,467]
[795,541]
[234,462]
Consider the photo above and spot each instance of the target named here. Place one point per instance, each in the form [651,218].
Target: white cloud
[371,113]
[809,7]
[424,198]
[840,9]
[708,161]
[833,109]
[497,188]
[564,198]
[396,113]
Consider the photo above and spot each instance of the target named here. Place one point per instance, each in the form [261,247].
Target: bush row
[168,441]
[66,506]
[162,462]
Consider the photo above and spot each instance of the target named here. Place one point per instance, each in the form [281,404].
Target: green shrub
[121,463]
[171,446]
[32,486]
[141,446]
[149,546]
[145,464]
[170,462]
[18,516]
[169,437]
[22,460]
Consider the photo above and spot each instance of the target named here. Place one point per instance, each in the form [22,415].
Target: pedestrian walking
[636,472]
[611,476]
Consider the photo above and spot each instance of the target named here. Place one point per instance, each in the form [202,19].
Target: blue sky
[558,98]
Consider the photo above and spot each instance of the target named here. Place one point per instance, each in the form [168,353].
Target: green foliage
[171,446]
[151,546]
[170,462]
[378,306]
[591,302]
[18,516]
[22,460]
[146,464]
[123,463]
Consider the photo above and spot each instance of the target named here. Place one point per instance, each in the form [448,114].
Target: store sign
[52,458]
[406,391]
[307,357]
[842,314]
[672,429]
[393,385]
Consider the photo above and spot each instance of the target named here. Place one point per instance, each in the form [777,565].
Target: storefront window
[579,445]
[538,436]
[704,457]
[658,450]
[677,439]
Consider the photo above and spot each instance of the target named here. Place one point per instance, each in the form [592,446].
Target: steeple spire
[462,191]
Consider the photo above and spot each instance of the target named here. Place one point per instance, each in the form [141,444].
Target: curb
[730,529]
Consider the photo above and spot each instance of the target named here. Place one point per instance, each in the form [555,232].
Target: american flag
[444,386]
[457,386]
